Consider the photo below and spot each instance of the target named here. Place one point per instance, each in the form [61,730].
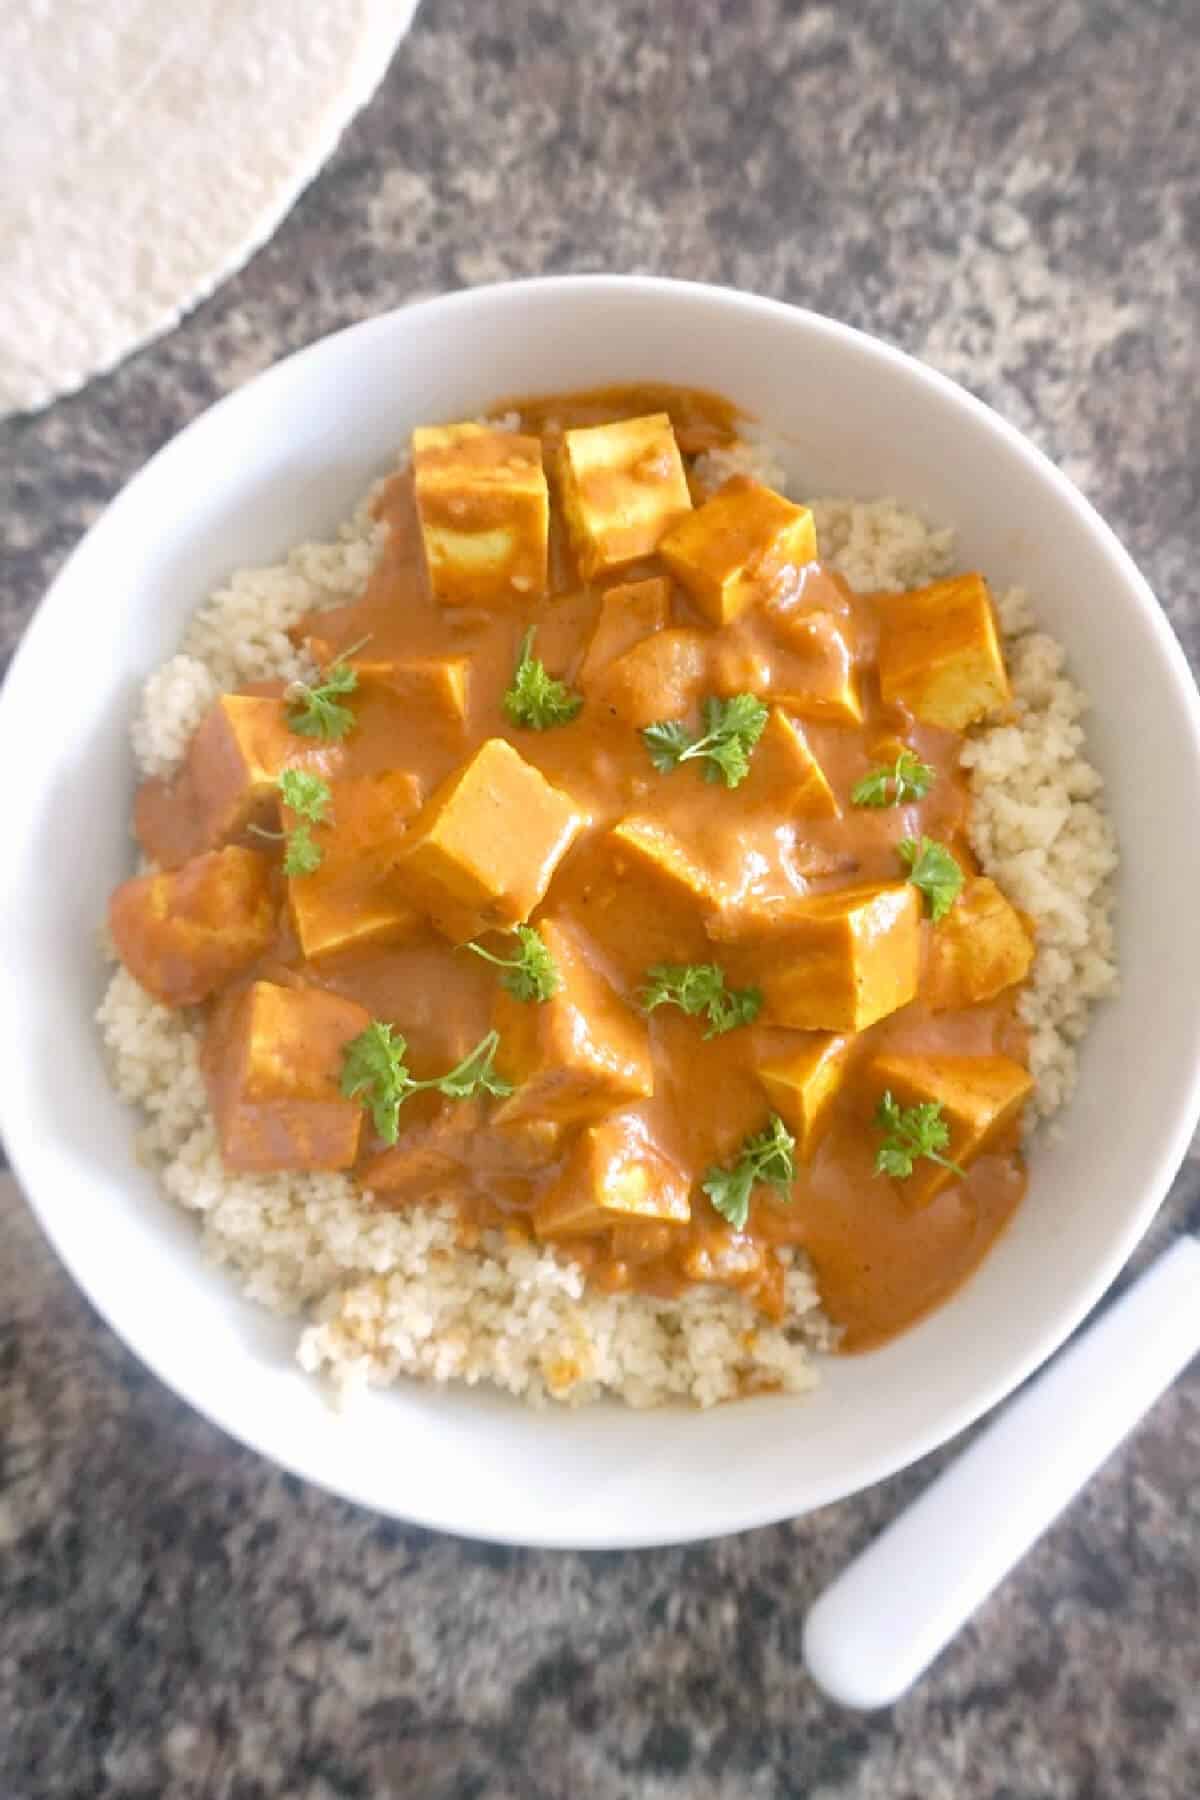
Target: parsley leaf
[306,794]
[932,869]
[530,975]
[309,796]
[764,1157]
[698,988]
[668,743]
[534,699]
[373,1068]
[910,1132]
[301,855]
[731,730]
[474,1074]
[317,711]
[908,779]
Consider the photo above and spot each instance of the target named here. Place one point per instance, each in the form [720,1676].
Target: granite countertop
[1010,192]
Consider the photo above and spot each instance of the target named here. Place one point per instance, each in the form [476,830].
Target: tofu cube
[655,852]
[354,898]
[818,679]
[738,665]
[623,485]
[980,948]
[614,1177]
[238,753]
[581,1053]
[482,851]
[745,545]
[981,1098]
[660,678]
[803,1085]
[228,779]
[453,1147]
[432,685]
[274,1067]
[628,613]
[785,773]
[183,933]
[639,894]
[841,960]
[432,1152]
[526,1146]
[940,655]
[484,510]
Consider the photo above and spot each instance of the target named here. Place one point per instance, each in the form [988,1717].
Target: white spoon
[880,1624]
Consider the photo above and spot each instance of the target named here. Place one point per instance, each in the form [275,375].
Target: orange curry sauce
[881,1260]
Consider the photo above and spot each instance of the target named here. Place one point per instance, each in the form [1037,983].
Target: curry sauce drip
[880,1261]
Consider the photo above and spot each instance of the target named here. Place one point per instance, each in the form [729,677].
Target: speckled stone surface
[1010,191]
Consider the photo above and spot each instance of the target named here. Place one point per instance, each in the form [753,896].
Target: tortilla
[146,151]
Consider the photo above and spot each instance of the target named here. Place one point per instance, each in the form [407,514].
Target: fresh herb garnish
[474,1074]
[374,1068]
[907,779]
[764,1157]
[309,796]
[301,855]
[316,710]
[534,698]
[911,1131]
[699,988]
[530,975]
[932,869]
[731,730]
[306,794]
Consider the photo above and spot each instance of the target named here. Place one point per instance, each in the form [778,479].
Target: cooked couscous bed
[607,925]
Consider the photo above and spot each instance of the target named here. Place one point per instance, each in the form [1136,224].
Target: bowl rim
[1163,1160]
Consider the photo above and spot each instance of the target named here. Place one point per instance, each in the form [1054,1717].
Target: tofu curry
[610,878]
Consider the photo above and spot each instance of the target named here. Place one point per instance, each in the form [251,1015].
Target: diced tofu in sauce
[785,772]
[821,681]
[640,896]
[623,486]
[980,1096]
[484,848]
[437,686]
[803,1085]
[745,545]
[840,961]
[660,678]
[183,933]
[355,897]
[658,855]
[229,781]
[427,1160]
[979,949]
[939,653]
[485,514]
[274,1065]
[629,612]
[579,1054]
[614,1177]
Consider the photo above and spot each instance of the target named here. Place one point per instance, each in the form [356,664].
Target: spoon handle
[880,1624]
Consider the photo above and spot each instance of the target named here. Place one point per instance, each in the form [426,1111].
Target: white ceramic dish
[284,459]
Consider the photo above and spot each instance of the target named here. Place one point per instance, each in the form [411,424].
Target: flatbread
[147,147]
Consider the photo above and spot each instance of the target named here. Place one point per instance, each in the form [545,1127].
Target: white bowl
[284,459]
